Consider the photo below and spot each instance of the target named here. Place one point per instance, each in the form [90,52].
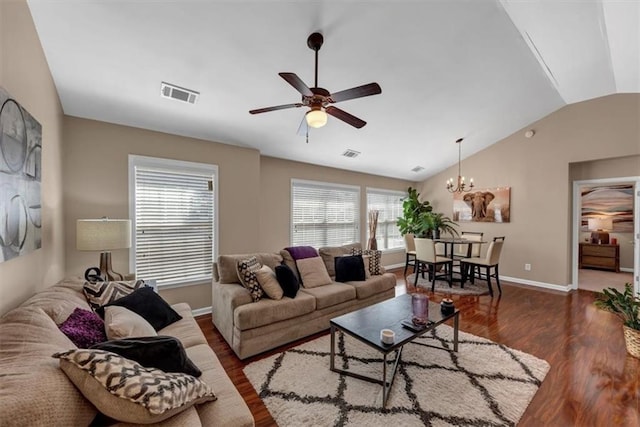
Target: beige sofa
[35,392]
[254,327]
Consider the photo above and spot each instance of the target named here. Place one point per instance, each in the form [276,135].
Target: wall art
[614,201]
[486,205]
[20,179]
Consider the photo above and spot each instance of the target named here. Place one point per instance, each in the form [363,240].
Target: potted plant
[438,224]
[413,219]
[626,306]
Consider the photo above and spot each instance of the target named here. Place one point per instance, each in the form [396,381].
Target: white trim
[563,288]
[393,266]
[322,184]
[201,311]
[385,191]
[577,215]
[626,270]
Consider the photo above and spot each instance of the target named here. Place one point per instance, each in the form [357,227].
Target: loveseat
[252,327]
[34,391]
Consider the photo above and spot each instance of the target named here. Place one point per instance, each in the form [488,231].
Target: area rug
[442,287]
[485,383]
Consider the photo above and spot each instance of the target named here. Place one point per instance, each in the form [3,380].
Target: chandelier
[459,186]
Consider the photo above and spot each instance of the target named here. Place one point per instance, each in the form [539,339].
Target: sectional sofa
[252,327]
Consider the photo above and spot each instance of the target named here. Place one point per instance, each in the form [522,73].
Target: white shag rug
[485,383]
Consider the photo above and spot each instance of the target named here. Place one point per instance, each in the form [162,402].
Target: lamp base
[600,237]
[110,275]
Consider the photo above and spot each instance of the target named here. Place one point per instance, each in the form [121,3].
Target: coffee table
[365,325]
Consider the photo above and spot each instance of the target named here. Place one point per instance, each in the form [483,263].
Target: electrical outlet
[527,267]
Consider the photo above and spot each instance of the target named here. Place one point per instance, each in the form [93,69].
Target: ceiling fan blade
[303,129]
[277,107]
[297,83]
[345,117]
[356,92]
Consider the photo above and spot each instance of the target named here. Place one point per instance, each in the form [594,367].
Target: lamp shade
[600,224]
[316,118]
[103,234]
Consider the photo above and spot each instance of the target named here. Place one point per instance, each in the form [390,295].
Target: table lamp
[599,228]
[104,235]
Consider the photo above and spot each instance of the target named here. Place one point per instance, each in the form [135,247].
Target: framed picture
[20,179]
[486,205]
[612,201]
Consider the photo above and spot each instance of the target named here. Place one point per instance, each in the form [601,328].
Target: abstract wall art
[487,205]
[20,179]
[614,201]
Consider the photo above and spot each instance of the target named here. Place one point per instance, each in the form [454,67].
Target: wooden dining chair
[427,260]
[410,248]
[489,263]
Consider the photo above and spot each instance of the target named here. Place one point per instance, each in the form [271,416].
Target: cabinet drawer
[599,250]
[594,261]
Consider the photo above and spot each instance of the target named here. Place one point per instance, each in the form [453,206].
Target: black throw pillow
[349,268]
[161,352]
[288,280]
[149,305]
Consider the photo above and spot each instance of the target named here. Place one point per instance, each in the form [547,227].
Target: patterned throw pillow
[375,260]
[247,274]
[101,293]
[126,391]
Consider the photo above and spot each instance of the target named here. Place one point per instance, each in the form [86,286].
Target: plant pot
[632,341]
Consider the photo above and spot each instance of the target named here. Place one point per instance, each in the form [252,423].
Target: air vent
[351,153]
[167,90]
[417,169]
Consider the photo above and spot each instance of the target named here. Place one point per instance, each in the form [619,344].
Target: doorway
[599,265]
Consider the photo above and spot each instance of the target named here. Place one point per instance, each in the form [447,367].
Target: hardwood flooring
[592,380]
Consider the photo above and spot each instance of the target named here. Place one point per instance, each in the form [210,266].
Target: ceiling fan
[319,100]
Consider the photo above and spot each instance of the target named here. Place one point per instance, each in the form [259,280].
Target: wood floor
[592,381]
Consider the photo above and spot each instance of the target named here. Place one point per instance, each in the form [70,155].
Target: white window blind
[324,214]
[174,207]
[389,205]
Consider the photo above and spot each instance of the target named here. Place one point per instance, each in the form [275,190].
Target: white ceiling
[448,69]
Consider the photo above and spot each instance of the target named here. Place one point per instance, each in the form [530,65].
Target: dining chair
[490,262]
[427,260]
[463,251]
[410,248]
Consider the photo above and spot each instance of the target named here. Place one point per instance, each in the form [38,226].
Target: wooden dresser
[605,257]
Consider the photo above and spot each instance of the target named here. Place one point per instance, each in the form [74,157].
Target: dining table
[449,243]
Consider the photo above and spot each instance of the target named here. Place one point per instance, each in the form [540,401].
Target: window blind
[324,214]
[174,224]
[389,205]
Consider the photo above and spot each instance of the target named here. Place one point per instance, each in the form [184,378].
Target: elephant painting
[479,202]
[488,205]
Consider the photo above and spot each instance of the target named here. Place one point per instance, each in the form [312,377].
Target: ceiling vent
[351,153]
[167,90]
[417,169]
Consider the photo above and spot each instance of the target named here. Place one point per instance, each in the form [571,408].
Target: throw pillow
[247,274]
[302,252]
[126,391]
[367,260]
[84,328]
[287,280]
[101,293]
[349,268]
[122,323]
[313,272]
[149,305]
[269,282]
[375,262]
[160,352]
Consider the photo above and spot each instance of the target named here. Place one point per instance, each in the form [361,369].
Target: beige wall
[537,170]
[275,192]
[96,185]
[608,168]
[24,73]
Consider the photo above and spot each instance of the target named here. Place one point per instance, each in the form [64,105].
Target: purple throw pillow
[302,252]
[84,328]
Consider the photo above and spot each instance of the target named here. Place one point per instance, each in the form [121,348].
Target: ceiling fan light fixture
[316,118]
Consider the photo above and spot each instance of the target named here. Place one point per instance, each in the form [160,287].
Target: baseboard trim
[394,266]
[201,311]
[626,270]
[565,288]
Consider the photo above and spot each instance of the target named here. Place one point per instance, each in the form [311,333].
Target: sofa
[252,327]
[36,392]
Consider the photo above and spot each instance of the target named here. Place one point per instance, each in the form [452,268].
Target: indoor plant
[438,223]
[413,220]
[626,306]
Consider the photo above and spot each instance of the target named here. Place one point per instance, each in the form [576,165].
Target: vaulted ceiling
[448,69]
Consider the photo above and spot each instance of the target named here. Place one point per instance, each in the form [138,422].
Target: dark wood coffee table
[365,325]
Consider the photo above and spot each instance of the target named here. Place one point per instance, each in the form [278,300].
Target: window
[389,205]
[173,208]
[324,214]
